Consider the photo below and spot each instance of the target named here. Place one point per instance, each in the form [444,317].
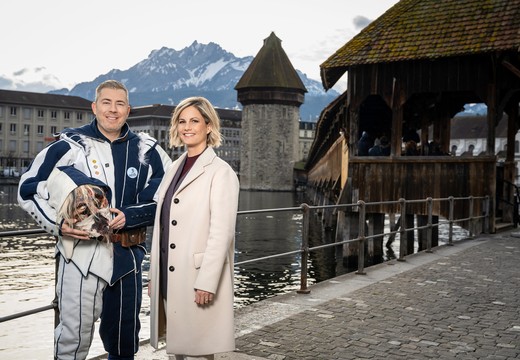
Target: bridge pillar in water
[348,228]
[422,220]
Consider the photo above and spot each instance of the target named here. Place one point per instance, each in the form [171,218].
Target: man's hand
[119,221]
[66,230]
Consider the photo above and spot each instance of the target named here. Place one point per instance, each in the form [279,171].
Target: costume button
[172,246]
[171,268]
[176,201]
[174,222]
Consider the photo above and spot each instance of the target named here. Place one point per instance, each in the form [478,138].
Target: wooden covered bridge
[412,70]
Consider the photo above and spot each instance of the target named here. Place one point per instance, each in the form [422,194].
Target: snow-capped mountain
[167,76]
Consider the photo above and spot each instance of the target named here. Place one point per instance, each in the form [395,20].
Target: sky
[67,42]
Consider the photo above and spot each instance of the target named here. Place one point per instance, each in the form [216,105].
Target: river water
[27,267]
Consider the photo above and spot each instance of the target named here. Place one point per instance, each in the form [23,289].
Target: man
[132,166]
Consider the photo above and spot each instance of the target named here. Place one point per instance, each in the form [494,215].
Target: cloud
[6,83]
[35,79]
[360,22]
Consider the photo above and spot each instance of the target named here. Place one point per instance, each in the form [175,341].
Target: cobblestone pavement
[457,302]
[465,305]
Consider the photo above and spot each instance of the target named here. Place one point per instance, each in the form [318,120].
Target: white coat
[201,237]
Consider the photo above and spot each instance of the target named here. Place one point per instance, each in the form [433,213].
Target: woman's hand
[203,297]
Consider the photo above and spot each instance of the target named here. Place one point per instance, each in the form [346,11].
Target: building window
[66,115]
[27,113]
[0,131]
[12,145]
[26,129]
[26,146]
[54,114]
[79,116]
[1,111]
[41,113]
[12,128]
[40,129]
[53,130]
[13,110]
[39,146]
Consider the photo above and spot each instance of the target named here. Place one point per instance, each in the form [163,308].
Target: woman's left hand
[203,297]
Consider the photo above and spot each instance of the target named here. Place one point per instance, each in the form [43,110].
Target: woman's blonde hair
[208,113]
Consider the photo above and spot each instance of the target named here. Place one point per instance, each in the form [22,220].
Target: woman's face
[193,130]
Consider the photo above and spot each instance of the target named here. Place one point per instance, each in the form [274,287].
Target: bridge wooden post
[376,224]
[422,220]
[350,230]
[410,234]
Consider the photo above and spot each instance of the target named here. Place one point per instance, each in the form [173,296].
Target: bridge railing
[305,250]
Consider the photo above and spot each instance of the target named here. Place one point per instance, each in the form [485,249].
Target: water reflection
[265,234]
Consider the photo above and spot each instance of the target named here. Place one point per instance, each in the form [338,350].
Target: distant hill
[167,76]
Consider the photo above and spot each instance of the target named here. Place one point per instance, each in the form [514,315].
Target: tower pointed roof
[271,68]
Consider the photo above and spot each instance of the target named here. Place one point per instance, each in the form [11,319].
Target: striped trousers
[80,301]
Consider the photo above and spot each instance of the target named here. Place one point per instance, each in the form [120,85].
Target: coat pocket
[197,259]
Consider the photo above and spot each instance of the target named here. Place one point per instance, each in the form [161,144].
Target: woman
[191,270]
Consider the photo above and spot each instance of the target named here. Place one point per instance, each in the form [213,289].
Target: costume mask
[86,208]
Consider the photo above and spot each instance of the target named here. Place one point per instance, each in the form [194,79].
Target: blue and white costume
[132,166]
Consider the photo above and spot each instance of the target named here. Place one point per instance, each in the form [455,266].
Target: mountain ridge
[167,76]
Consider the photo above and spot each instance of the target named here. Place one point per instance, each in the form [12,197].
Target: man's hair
[208,113]
[111,84]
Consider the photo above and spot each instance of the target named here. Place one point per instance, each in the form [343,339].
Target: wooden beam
[511,68]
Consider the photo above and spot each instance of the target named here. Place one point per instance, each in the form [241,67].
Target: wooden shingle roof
[429,29]
[271,68]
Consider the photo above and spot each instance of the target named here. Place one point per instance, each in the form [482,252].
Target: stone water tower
[271,93]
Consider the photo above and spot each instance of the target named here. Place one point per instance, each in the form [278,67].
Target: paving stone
[461,302]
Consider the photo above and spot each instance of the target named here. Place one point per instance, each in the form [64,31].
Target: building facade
[155,121]
[306,137]
[28,122]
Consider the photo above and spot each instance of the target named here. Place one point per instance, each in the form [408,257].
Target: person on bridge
[192,256]
[94,280]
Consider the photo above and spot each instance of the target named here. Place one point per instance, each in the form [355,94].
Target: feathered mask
[87,208]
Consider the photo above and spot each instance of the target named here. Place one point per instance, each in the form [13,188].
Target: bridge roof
[429,29]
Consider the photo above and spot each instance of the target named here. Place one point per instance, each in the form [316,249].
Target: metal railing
[361,208]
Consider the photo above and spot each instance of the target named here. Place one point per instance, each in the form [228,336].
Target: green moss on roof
[429,29]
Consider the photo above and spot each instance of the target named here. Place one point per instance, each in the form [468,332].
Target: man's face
[111,110]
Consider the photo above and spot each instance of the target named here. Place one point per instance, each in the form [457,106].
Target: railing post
[361,249]
[429,201]
[402,231]
[450,219]
[305,250]
[471,220]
